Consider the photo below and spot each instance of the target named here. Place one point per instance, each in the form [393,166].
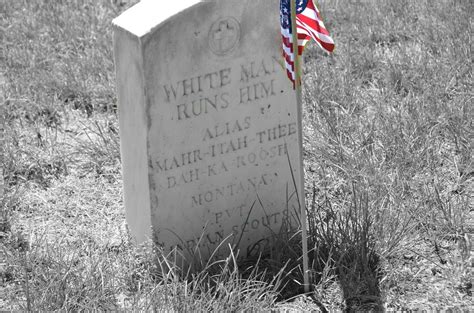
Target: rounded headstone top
[147,14]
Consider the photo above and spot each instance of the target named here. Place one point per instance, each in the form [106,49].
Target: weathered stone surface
[208,124]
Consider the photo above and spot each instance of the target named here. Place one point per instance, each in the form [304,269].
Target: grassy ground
[389,140]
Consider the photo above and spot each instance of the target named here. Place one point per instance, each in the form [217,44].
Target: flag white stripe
[288,53]
[309,13]
[286,32]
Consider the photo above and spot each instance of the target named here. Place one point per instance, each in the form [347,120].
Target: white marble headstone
[208,124]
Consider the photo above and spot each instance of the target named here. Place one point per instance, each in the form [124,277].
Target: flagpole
[299,105]
[2,147]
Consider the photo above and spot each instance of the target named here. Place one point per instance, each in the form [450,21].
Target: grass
[389,139]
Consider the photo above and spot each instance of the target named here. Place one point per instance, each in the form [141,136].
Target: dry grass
[391,114]
[389,140]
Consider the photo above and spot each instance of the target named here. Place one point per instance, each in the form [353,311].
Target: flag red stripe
[313,24]
[302,27]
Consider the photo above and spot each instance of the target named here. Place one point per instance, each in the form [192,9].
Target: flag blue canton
[301,5]
[285,16]
[285,9]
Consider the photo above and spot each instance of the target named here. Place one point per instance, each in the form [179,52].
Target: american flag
[309,25]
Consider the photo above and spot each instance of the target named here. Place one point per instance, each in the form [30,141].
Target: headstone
[208,125]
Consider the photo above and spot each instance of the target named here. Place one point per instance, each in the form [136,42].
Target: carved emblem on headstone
[224,35]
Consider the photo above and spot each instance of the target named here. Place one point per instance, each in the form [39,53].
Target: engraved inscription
[236,151]
[241,212]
